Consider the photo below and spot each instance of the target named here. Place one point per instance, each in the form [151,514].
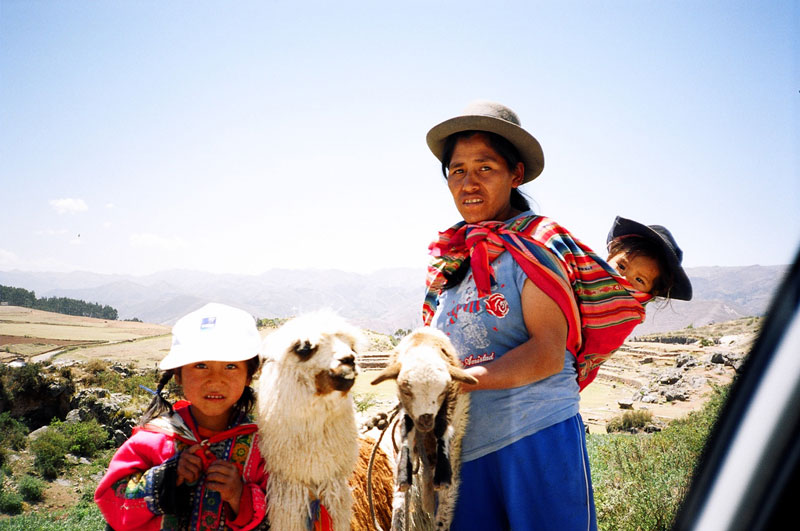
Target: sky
[239,137]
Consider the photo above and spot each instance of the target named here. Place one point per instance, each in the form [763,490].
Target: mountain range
[382,301]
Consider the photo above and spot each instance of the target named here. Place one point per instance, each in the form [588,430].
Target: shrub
[85,438]
[10,502]
[96,366]
[30,488]
[117,383]
[78,438]
[49,450]
[364,401]
[630,419]
[25,380]
[13,433]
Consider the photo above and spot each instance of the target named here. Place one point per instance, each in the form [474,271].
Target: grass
[640,480]
[83,516]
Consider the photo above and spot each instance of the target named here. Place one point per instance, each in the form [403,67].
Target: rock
[119,438]
[674,393]
[57,388]
[650,399]
[71,459]
[120,369]
[35,434]
[670,377]
[106,408]
[625,404]
[696,382]
[719,358]
[73,416]
[646,360]
[685,360]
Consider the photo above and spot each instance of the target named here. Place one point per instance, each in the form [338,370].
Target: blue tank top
[482,330]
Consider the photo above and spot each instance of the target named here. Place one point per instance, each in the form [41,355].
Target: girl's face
[481,181]
[639,270]
[213,387]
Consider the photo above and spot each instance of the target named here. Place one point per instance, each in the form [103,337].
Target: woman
[516,318]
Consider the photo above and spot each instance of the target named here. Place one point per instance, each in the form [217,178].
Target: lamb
[307,425]
[435,415]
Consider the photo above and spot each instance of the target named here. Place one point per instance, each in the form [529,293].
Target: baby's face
[640,271]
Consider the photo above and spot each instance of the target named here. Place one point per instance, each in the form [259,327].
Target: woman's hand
[225,478]
[190,466]
[536,359]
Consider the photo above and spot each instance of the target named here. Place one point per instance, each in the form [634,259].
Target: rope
[391,417]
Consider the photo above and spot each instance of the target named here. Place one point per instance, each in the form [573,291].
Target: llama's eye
[304,350]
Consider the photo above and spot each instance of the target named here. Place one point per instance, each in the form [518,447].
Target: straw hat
[494,118]
[215,332]
[682,287]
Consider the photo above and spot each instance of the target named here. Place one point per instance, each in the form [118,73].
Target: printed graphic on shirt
[495,304]
[467,317]
[472,359]
[471,322]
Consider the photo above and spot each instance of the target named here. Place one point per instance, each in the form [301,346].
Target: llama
[306,418]
[433,421]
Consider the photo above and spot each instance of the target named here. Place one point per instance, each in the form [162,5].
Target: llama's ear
[389,373]
[460,375]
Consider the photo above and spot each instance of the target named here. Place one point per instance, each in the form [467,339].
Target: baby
[648,257]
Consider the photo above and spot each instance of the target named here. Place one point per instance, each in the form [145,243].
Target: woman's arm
[536,359]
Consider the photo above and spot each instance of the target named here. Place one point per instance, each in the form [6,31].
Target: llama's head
[318,349]
[426,368]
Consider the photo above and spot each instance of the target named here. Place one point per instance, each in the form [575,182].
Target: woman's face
[481,181]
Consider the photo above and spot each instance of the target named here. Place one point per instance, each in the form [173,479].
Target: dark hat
[494,118]
[682,287]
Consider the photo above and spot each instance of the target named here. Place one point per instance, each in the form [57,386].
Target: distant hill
[21,297]
[383,301]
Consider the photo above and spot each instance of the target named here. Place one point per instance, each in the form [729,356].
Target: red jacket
[139,492]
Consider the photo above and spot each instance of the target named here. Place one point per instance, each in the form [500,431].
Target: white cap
[215,332]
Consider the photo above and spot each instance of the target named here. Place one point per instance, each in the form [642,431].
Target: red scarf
[600,306]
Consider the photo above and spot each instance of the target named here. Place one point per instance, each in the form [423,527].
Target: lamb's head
[318,349]
[426,368]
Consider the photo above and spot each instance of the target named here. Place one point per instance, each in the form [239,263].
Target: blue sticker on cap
[207,323]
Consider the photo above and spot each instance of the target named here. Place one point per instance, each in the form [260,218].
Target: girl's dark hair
[160,405]
[633,246]
[503,147]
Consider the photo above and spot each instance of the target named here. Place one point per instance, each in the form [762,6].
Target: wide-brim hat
[215,332]
[494,118]
[681,287]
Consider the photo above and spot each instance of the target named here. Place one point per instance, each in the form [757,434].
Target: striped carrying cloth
[600,311]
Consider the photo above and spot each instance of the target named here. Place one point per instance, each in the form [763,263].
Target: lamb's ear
[460,375]
[389,373]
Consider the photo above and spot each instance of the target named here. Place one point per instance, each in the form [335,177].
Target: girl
[195,465]
[648,257]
